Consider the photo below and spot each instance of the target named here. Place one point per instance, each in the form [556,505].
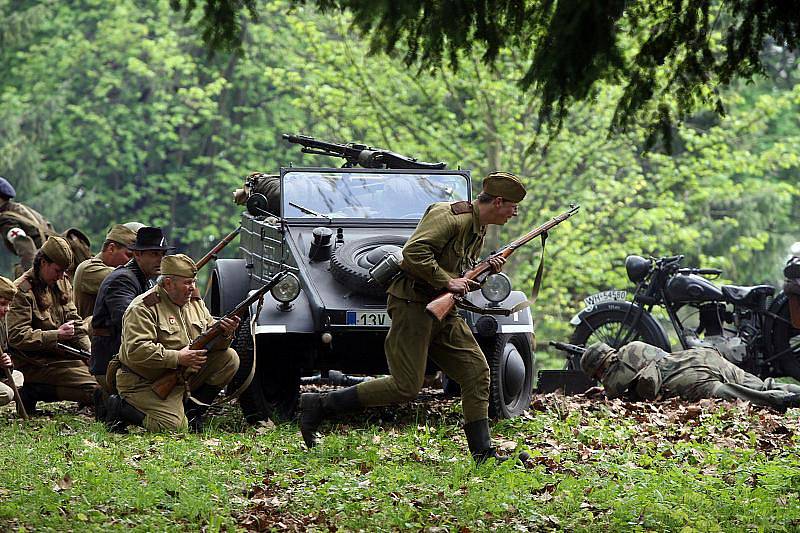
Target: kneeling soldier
[7,291]
[43,314]
[640,371]
[157,329]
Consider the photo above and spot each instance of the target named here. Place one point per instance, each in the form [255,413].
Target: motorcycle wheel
[780,332]
[607,326]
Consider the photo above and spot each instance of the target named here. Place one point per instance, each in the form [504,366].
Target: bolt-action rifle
[440,306]
[360,154]
[212,254]
[17,399]
[164,385]
[77,353]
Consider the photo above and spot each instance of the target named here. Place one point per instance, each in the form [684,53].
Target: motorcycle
[749,326]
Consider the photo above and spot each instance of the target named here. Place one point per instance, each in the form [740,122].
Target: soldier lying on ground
[640,371]
[7,291]
[43,314]
[156,331]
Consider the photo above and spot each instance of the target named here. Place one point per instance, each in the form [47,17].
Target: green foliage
[114,112]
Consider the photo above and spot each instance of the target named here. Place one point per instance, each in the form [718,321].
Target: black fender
[630,308]
[228,285]
[272,320]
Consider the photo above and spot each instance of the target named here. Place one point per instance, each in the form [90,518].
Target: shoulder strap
[151,299]
[460,208]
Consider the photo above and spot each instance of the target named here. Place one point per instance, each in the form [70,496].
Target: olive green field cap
[505,185]
[58,251]
[121,234]
[178,265]
[7,288]
[134,226]
[594,357]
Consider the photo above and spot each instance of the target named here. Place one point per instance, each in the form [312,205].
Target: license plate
[605,296]
[369,318]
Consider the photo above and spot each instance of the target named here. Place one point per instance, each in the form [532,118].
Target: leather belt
[101,332]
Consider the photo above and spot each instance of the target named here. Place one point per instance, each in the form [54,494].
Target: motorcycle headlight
[496,288]
[287,289]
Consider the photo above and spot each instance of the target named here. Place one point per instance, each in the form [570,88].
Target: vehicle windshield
[367,194]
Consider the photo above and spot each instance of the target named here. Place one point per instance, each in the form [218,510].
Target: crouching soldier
[43,314]
[640,371]
[157,329]
[7,291]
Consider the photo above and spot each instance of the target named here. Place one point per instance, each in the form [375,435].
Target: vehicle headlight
[496,288]
[287,289]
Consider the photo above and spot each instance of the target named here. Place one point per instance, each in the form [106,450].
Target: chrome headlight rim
[286,290]
[496,288]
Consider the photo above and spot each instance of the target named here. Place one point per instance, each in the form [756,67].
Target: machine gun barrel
[360,154]
[571,349]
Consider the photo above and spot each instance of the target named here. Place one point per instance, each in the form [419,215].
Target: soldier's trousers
[6,392]
[729,382]
[413,337]
[71,380]
[168,414]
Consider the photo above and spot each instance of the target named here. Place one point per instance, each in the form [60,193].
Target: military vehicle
[332,226]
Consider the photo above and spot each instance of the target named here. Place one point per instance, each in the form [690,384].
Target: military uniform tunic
[6,392]
[36,228]
[88,277]
[646,372]
[154,330]
[446,242]
[33,335]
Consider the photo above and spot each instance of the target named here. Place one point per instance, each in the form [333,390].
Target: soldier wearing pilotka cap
[43,314]
[447,242]
[157,329]
[90,273]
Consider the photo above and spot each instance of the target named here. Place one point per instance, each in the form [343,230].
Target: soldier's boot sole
[312,413]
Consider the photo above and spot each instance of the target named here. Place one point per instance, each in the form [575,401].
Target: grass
[595,466]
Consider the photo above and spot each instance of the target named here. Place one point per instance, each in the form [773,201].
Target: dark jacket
[115,294]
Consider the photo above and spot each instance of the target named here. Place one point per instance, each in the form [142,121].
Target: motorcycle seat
[747,296]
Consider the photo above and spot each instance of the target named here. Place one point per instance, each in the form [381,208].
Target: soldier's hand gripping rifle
[164,385]
[360,154]
[440,306]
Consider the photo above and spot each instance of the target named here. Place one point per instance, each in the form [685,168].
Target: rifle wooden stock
[441,305]
[164,385]
[17,399]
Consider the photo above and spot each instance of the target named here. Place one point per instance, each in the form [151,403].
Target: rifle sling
[537,281]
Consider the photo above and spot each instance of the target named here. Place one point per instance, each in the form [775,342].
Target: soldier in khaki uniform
[42,314]
[446,242]
[640,371]
[23,229]
[156,331]
[91,273]
[7,291]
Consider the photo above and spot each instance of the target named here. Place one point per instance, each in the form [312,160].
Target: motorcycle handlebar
[701,271]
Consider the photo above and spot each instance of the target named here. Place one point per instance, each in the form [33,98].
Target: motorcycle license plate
[369,319]
[605,296]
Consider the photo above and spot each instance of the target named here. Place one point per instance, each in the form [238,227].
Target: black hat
[148,238]
[6,189]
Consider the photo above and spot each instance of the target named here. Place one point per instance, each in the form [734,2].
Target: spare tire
[351,262]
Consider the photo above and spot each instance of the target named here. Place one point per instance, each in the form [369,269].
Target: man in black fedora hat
[116,292]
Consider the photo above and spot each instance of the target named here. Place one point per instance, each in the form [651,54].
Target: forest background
[115,111]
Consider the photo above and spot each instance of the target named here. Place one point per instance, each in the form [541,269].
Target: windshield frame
[357,170]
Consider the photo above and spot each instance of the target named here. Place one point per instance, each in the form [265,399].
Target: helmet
[637,267]
[594,357]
